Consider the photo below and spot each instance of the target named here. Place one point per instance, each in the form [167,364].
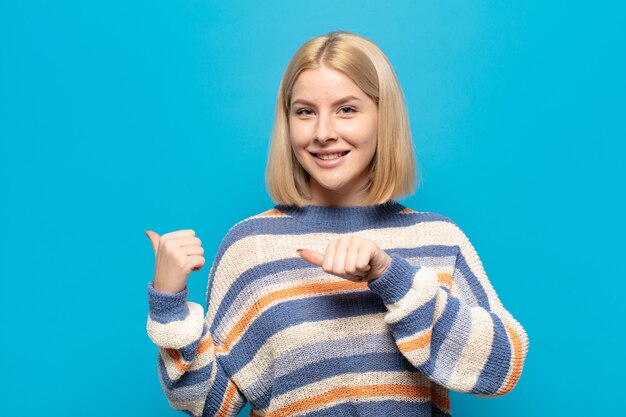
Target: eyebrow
[341,100]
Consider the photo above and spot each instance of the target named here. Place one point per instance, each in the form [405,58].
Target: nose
[324,129]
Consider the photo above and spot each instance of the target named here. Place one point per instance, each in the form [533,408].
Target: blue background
[121,116]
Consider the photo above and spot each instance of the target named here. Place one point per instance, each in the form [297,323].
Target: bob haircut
[393,168]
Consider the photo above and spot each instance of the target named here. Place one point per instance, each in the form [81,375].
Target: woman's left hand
[350,257]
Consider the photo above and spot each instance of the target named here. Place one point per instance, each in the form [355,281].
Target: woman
[338,300]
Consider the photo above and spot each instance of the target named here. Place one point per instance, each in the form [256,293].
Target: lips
[330,163]
[340,153]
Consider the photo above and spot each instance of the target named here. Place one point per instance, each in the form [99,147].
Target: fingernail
[299,252]
[146,232]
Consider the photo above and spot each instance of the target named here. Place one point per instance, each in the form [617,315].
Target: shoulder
[438,223]
[256,224]
[428,217]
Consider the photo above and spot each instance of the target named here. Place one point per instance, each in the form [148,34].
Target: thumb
[311,256]
[154,239]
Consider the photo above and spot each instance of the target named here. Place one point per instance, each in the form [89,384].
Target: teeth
[331,156]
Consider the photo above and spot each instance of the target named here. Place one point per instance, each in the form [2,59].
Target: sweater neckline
[340,216]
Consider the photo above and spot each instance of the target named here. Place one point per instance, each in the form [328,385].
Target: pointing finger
[311,256]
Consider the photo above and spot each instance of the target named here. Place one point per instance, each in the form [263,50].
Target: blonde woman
[338,301]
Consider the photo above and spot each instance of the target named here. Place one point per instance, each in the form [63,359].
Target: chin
[336,187]
[331,185]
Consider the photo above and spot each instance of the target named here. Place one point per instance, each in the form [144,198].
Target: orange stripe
[178,360]
[419,342]
[271,212]
[441,401]
[204,345]
[445,278]
[230,393]
[517,360]
[407,210]
[339,393]
[317,288]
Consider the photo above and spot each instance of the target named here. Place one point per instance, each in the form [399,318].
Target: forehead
[324,82]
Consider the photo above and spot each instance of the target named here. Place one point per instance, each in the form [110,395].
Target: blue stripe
[441,330]
[164,307]
[362,353]
[419,319]
[306,355]
[472,281]
[289,225]
[453,346]
[246,282]
[293,312]
[187,379]
[387,408]
[199,377]
[216,395]
[391,362]
[439,413]
[195,392]
[428,251]
[499,362]
[241,282]
[396,281]
[189,352]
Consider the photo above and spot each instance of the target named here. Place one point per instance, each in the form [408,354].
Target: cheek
[363,129]
[298,149]
[297,136]
[294,138]
[373,133]
[362,136]
[298,146]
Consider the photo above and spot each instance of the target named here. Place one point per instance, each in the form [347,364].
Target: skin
[177,254]
[321,123]
[319,120]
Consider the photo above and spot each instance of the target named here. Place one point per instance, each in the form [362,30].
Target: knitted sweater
[294,340]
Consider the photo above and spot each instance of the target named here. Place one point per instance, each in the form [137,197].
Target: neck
[355,196]
[337,202]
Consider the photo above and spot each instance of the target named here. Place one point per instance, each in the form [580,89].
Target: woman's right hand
[177,255]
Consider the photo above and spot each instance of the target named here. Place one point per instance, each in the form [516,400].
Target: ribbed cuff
[396,281]
[166,307]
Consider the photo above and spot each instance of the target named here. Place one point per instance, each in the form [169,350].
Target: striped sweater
[293,340]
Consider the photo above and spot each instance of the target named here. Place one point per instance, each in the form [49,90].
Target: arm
[189,370]
[469,344]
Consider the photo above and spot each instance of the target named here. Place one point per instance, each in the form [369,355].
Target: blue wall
[120,116]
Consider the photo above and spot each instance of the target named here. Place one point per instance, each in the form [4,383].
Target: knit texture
[294,340]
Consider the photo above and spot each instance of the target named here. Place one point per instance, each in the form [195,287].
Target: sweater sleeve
[190,373]
[470,343]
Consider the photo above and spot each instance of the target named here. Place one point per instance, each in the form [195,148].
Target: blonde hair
[393,171]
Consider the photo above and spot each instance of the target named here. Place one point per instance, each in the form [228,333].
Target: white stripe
[195,407]
[475,353]
[177,334]
[415,379]
[251,251]
[246,298]
[423,288]
[307,333]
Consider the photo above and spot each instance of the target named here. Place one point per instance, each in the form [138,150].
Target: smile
[330,160]
[331,155]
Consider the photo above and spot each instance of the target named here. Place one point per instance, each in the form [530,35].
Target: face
[329,114]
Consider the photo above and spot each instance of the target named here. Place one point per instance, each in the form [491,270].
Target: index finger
[311,256]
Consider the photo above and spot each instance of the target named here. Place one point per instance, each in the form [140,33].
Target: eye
[303,111]
[350,110]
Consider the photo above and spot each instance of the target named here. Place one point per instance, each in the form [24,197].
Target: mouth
[329,157]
